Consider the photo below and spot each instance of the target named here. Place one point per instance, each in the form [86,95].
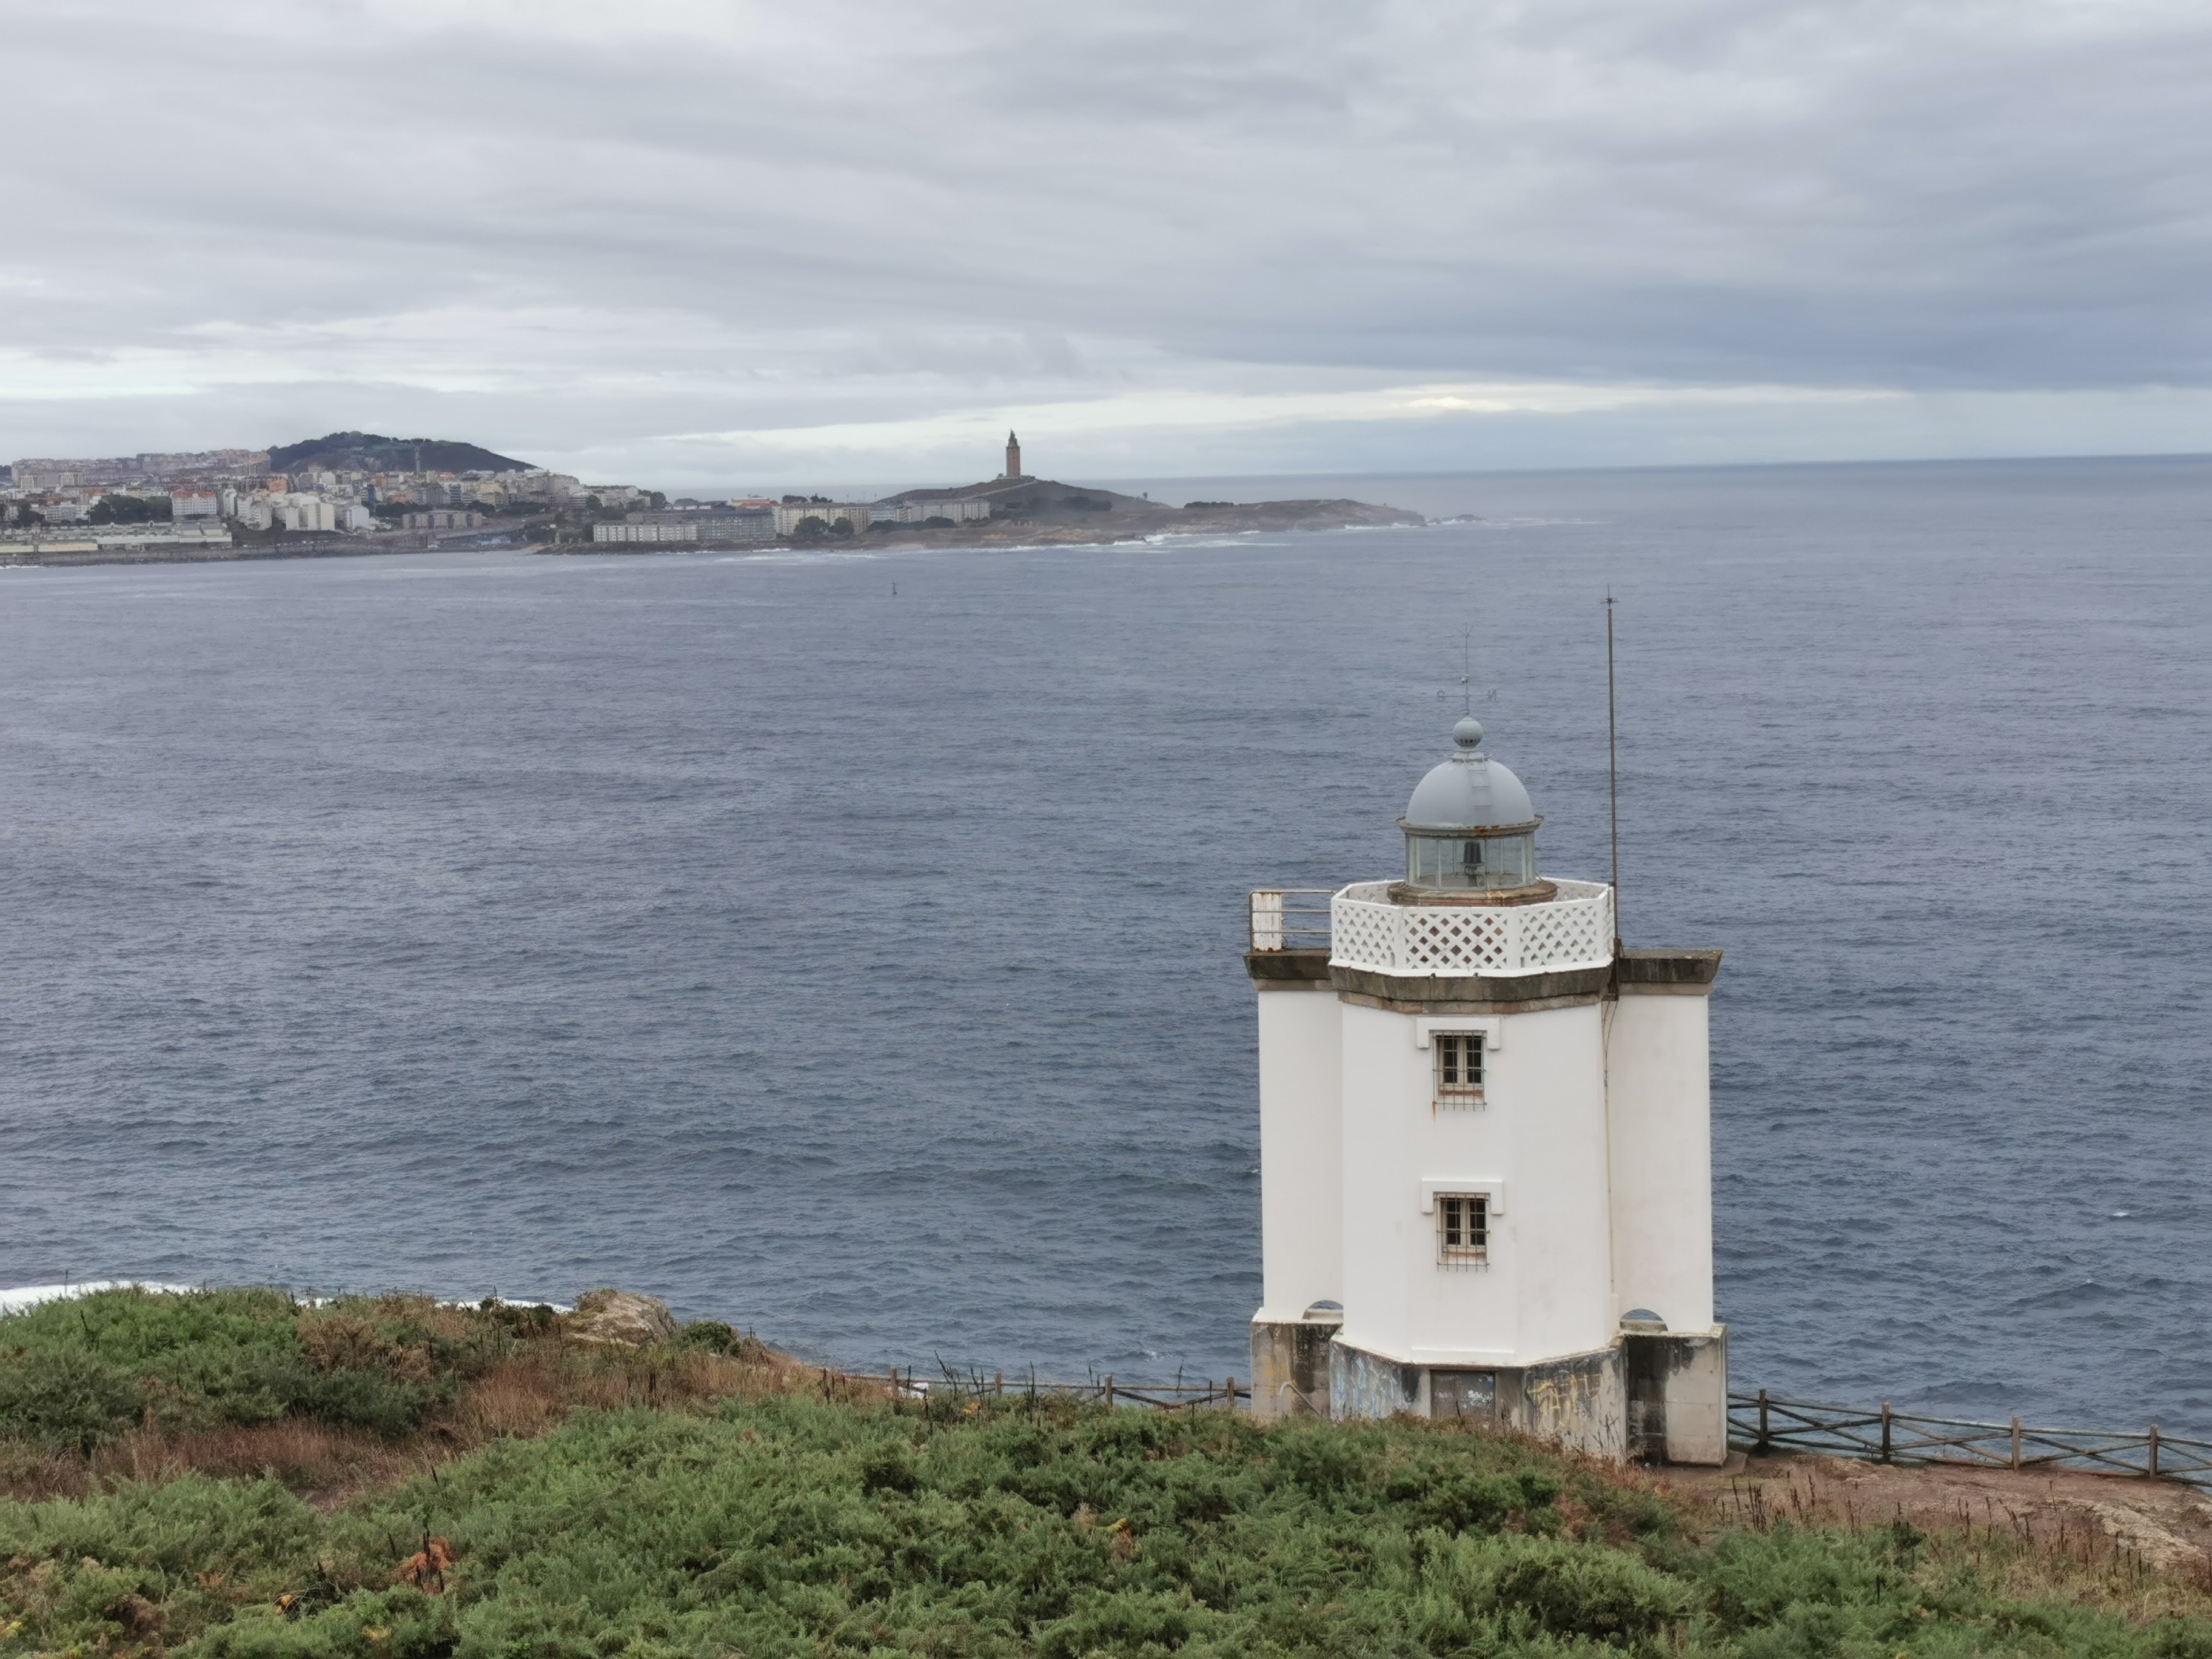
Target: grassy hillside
[128,1384]
[745,1513]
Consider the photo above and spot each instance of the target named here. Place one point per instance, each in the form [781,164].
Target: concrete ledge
[1407,994]
[1680,972]
[1311,967]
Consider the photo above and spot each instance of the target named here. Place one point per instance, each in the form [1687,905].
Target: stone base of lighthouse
[1290,1365]
[1659,1398]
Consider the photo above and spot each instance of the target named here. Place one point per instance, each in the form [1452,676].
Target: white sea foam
[30,1296]
[1530,524]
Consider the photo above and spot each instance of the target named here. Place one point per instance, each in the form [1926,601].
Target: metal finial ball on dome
[1467,734]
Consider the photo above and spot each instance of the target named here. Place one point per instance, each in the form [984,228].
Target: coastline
[1130,521]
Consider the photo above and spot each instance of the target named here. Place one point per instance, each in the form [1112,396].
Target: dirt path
[2166,1526]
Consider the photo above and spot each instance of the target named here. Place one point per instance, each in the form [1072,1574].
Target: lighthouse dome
[1470,791]
[1470,830]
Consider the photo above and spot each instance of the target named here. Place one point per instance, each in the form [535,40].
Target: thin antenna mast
[1613,769]
[1467,668]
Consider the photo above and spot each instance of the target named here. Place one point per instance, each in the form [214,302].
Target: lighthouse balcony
[1572,930]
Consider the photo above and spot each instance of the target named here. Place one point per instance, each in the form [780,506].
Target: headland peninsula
[351,493]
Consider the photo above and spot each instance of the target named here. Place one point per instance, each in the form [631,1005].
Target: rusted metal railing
[1291,917]
[948,1384]
[1762,1423]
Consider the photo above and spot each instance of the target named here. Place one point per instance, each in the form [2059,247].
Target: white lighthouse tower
[1486,1139]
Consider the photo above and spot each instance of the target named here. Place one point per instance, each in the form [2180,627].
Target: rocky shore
[1066,513]
[1043,511]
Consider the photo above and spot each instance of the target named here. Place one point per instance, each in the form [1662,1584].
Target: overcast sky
[692,243]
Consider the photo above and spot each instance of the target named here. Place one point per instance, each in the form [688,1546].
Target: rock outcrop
[612,1316]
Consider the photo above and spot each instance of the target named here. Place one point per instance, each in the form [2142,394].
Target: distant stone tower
[1013,456]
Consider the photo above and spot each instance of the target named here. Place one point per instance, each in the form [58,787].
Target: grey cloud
[876,210]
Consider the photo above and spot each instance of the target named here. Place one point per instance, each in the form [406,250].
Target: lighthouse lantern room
[1486,1145]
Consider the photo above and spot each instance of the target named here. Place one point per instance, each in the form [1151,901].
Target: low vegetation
[742,1505]
[130,1384]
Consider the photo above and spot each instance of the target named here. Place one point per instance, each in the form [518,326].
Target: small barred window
[1462,1228]
[1459,1069]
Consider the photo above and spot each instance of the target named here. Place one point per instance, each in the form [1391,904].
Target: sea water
[847,946]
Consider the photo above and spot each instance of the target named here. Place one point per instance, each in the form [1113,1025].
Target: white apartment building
[645,532]
[789,517]
[194,504]
[306,513]
[966,509]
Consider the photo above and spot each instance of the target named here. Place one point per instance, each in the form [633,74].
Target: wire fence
[1757,1422]
[1761,1423]
[946,1383]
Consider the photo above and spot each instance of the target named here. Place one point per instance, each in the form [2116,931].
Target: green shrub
[712,1336]
[1119,1622]
[1751,1578]
[76,1373]
[1439,1493]
[400,1623]
[66,1398]
[1571,1589]
[886,1468]
[1318,1462]
[2180,1638]
[1475,1591]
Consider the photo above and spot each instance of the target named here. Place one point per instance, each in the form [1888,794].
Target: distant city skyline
[652,244]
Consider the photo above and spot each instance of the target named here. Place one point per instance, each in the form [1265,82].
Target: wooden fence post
[1229,1387]
[2152,1470]
[998,1382]
[1762,1419]
[2016,1445]
[1110,1388]
[1884,1431]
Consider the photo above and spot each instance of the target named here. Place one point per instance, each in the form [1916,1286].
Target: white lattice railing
[1574,930]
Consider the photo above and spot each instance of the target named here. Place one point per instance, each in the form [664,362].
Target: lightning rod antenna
[1613,769]
[1467,668]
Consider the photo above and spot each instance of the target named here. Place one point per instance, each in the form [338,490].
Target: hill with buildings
[370,452]
[1037,497]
